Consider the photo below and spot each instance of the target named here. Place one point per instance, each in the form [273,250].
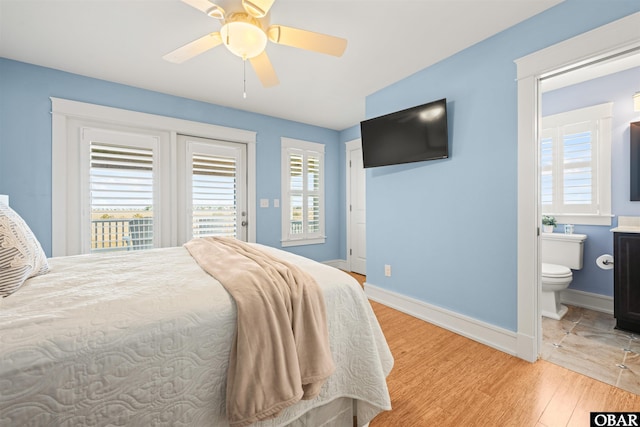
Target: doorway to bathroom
[595,45]
[583,185]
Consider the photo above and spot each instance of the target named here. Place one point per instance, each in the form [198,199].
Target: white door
[356,209]
[212,190]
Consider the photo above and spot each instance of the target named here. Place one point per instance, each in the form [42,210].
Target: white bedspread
[143,339]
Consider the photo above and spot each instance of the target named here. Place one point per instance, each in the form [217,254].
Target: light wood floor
[443,379]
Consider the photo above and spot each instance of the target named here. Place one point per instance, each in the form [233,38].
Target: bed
[143,339]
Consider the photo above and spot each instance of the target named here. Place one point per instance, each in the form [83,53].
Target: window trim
[69,116]
[602,115]
[287,145]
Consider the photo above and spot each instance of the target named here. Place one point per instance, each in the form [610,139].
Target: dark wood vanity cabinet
[626,282]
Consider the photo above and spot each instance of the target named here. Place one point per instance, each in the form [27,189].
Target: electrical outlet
[387,270]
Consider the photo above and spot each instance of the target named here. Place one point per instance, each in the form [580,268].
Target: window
[575,165]
[121,197]
[119,188]
[215,187]
[302,192]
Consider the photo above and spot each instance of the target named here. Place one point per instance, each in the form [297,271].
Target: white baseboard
[588,300]
[485,333]
[337,263]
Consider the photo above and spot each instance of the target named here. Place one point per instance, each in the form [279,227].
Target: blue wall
[448,227]
[617,88]
[25,146]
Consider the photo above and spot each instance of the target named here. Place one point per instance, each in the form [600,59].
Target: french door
[212,188]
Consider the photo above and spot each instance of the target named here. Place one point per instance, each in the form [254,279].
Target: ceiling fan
[245,31]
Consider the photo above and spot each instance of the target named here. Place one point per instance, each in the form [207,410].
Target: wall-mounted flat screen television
[412,135]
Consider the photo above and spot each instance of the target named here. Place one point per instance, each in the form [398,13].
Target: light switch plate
[264,203]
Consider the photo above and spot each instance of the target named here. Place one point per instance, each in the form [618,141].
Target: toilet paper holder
[605,262]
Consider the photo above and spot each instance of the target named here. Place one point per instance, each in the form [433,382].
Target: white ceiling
[124,40]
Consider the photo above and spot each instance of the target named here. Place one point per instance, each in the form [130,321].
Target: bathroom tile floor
[586,342]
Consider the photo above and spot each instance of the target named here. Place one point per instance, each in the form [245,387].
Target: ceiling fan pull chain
[244,78]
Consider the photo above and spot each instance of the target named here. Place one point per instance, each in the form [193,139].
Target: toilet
[560,253]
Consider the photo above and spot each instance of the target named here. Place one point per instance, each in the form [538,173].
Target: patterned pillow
[21,255]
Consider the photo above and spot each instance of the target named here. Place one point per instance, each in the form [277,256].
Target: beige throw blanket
[281,352]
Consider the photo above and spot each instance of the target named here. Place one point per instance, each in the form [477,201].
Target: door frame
[603,42]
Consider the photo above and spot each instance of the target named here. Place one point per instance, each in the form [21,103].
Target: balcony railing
[121,234]
[296,227]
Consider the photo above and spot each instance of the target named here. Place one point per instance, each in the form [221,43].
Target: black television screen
[411,135]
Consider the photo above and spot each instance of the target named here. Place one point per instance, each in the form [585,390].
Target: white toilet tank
[563,249]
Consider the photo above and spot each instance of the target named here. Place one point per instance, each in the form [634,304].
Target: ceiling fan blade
[194,48]
[257,8]
[263,68]
[308,40]
[201,5]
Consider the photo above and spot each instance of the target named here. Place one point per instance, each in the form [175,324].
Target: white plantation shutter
[575,163]
[296,193]
[121,190]
[578,167]
[303,192]
[313,193]
[546,170]
[214,189]
[121,177]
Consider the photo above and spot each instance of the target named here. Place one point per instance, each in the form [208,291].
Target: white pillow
[21,255]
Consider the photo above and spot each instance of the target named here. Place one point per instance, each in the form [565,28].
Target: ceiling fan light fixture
[246,33]
[243,39]
[216,12]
